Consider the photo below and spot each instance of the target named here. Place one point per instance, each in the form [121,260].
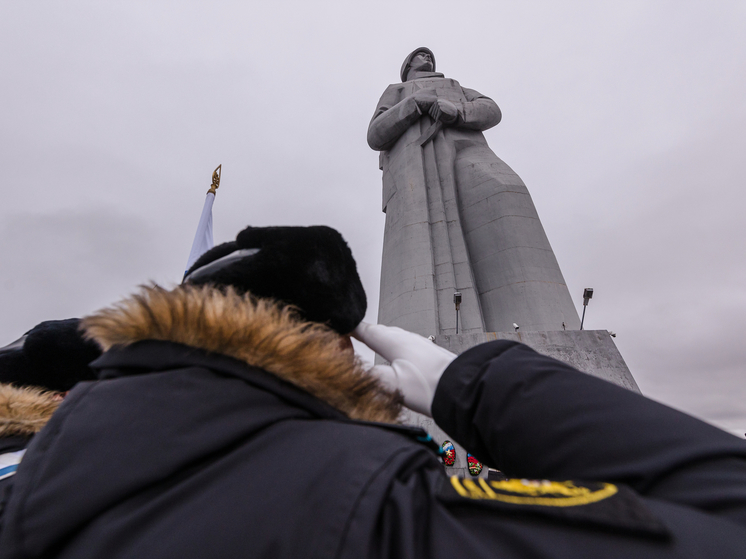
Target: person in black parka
[35,373]
[230,421]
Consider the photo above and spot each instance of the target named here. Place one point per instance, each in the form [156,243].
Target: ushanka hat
[52,355]
[311,268]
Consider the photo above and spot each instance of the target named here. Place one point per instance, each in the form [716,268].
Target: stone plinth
[591,351]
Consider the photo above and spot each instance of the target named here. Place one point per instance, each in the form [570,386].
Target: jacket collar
[261,333]
[24,411]
[151,356]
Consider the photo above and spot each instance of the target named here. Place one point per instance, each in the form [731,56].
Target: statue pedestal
[590,351]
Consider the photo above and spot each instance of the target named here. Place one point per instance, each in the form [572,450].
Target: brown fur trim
[24,411]
[260,332]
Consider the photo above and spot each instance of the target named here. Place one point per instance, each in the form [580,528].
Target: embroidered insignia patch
[449,456]
[475,466]
[9,463]
[533,492]
[575,502]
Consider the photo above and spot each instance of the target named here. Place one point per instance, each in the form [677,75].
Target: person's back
[221,420]
[202,457]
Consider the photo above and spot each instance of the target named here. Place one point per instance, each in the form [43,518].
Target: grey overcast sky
[627,121]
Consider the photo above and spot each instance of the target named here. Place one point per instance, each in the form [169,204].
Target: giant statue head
[421,58]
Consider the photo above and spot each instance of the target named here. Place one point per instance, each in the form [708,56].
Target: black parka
[183,453]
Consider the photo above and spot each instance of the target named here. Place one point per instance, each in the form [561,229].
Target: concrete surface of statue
[457,217]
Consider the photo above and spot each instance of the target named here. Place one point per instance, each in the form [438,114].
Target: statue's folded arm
[478,112]
[388,124]
[393,116]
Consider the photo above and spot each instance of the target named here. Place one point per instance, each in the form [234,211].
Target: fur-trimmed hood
[259,332]
[24,411]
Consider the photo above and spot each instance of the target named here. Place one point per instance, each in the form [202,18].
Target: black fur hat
[309,267]
[52,355]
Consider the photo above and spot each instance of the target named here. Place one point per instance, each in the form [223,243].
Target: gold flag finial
[216,179]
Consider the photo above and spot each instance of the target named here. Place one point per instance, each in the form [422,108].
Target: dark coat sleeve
[533,416]
[417,520]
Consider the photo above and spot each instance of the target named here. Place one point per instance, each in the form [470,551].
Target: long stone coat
[459,219]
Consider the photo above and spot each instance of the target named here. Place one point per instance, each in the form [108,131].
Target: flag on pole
[203,237]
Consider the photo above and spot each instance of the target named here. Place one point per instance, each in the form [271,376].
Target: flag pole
[203,240]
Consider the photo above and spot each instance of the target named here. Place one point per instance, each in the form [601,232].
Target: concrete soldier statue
[458,219]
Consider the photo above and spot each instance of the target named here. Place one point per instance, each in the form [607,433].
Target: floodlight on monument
[587,295]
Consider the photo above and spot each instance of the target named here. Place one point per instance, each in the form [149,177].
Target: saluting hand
[416,363]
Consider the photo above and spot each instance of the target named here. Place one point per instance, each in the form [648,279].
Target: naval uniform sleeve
[532,416]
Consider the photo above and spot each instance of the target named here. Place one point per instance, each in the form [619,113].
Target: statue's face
[422,61]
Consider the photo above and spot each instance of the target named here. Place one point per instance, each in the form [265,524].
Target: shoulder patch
[582,503]
[9,462]
[534,492]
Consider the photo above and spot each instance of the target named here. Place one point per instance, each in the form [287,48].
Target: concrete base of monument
[590,351]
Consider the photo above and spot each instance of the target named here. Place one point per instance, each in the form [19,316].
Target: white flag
[203,237]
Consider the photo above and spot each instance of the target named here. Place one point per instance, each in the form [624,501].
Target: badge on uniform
[581,503]
[449,453]
[9,463]
[475,466]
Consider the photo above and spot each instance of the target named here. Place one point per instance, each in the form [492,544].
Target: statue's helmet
[408,61]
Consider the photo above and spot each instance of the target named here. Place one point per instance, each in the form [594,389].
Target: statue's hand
[444,111]
[425,99]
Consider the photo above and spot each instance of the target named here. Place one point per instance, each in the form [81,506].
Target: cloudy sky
[626,120]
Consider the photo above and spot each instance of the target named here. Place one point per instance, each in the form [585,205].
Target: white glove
[416,363]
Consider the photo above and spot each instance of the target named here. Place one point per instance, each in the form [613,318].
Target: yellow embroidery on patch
[533,492]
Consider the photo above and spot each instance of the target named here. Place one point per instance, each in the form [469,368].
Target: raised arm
[533,416]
